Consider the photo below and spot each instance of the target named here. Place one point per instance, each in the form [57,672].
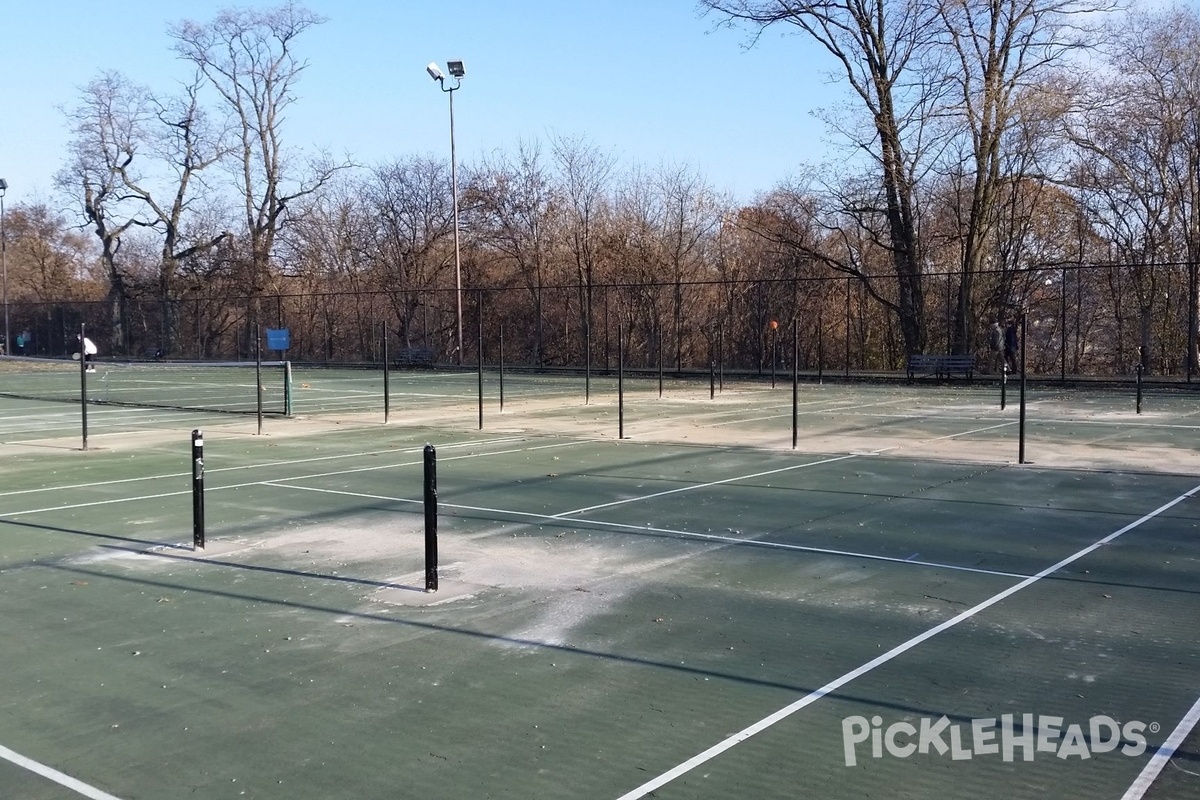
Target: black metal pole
[658,335]
[774,348]
[1139,387]
[795,382]
[387,396]
[1021,449]
[721,358]
[820,349]
[587,372]
[431,520]
[479,355]
[258,374]
[847,329]
[620,381]
[197,489]
[83,395]
[1062,324]
[501,368]
[712,372]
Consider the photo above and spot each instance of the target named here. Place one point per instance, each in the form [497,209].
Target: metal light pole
[4,267]
[457,72]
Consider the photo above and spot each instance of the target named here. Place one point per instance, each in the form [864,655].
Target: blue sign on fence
[278,338]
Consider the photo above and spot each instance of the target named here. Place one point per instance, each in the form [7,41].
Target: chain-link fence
[1080,322]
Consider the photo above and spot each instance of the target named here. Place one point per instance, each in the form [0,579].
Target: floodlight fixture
[456,68]
[3,185]
[434,72]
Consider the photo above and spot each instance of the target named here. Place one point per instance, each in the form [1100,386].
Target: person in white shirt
[88,350]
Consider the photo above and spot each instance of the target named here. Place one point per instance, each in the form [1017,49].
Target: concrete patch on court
[408,590]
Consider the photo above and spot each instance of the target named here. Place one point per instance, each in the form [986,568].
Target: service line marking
[700,486]
[900,649]
[61,778]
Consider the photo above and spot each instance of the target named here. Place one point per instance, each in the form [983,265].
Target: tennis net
[228,386]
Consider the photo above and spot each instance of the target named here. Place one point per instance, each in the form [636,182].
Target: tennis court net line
[235,387]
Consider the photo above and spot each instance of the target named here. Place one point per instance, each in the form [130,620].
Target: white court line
[286,462]
[977,430]
[701,486]
[62,779]
[267,482]
[1150,772]
[810,698]
[711,537]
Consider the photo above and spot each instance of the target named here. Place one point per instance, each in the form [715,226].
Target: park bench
[411,357]
[940,365]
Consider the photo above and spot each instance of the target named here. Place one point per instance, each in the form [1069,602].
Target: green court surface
[896,607]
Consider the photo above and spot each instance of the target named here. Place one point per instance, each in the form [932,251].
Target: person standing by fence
[1011,346]
[996,346]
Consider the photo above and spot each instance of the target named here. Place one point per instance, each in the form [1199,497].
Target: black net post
[795,382]
[1140,369]
[658,336]
[1021,448]
[721,358]
[774,349]
[431,545]
[501,368]
[820,349]
[620,381]
[712,371]
[83,395]
[197,490]
[287,389]
[258,374]
[587,370]
[387,395]
[479,355]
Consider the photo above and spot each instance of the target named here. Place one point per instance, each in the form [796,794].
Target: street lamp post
[456,71]
[4,267]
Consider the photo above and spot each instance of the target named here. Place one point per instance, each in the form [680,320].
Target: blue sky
[648,80]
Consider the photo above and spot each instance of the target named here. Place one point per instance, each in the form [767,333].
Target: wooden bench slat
[940,365]
[415,357]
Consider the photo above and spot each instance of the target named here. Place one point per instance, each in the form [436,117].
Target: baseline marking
[61,778]
[1150,772]
[898,650]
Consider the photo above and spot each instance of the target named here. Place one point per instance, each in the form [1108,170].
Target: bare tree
[108,128]
[877,46]
[585,173]
[998,50]
[411,248]
[509,203]
[1138,157]
[248,57]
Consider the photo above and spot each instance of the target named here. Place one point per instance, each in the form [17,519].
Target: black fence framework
[1081,323]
